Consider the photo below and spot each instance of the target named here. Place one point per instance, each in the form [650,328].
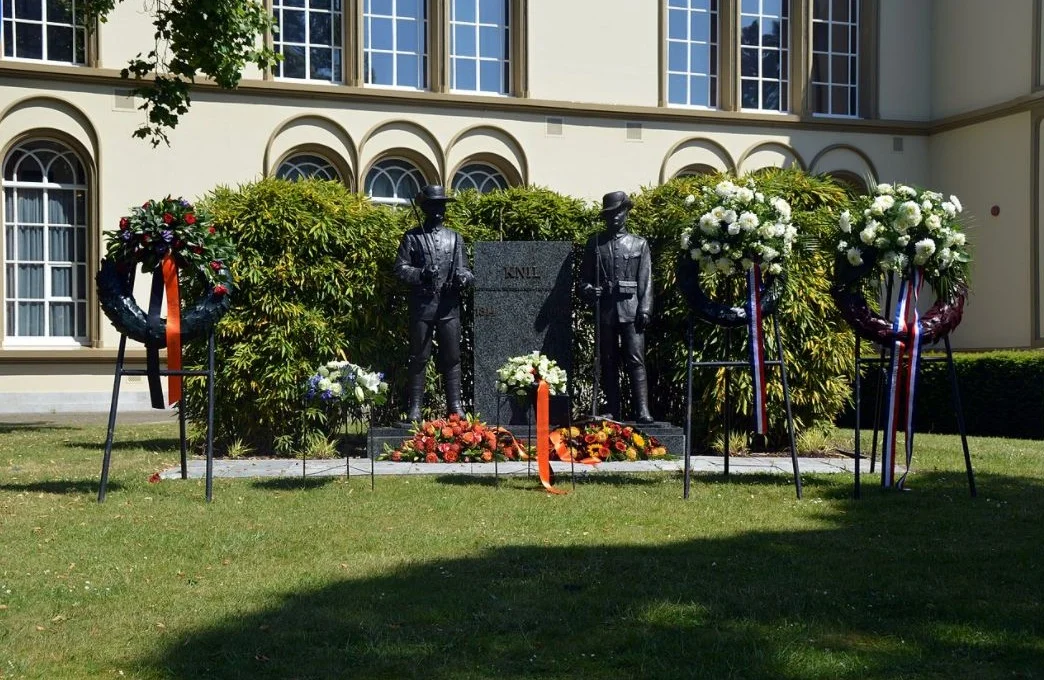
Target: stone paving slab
[360,466]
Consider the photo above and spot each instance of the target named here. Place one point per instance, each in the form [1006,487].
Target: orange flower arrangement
[600,441]
[456,440]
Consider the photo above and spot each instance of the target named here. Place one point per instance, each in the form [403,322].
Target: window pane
[61,244]
[59,11]
[408,8]
[407,35]
[677,56]
[294,61]
[464,41]
[677,89]
[839,101]
[29,41]
[699,91]
[319,28]
[30,244]
[493,11]
[381,34]
[292,28]
[464,74]
[839,38]
[62,319]
[821,9]
[320,61]
[61,282]
[464,10]
[492,42]
[10,316]
[30,281]
[28,9]
[749,94]
[8,37]
[30,206]
[380,72]
[490,74]
[81,319]
[60,207]
[699,59]
[408,70]
[677,25]
[31,318]
[841,12]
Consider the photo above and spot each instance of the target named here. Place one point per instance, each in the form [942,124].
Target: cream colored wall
[905,59]
[981,53]
[604,51]
[986,165]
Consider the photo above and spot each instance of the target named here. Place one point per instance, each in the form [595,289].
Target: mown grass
[450,578]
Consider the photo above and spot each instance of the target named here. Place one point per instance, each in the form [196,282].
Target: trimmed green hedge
[1002,393]
[314,282]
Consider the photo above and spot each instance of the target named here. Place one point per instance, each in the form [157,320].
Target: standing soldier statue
[617,279]
[431,260]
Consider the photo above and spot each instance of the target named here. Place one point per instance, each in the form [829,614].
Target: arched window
[393,181]
[45,245]
[696,170]
[853,183]
[481,177]
[307,166]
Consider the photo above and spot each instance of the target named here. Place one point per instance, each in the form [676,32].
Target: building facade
[582,96]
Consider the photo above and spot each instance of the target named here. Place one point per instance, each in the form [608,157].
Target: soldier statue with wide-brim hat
[616,276]
[431,261]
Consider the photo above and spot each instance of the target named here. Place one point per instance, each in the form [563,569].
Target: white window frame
[485,172]
[78,297]
[309,169]
[424,82]
[478,59]
[411,171]
[784,50]
[79,35]
[714,43]
[852,55]
[336,25]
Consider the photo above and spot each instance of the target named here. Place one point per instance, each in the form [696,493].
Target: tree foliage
[214,39]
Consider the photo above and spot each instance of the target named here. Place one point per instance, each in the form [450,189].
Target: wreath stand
[881,361]
[154,370]
[503,399]
[347,458]
[780,361]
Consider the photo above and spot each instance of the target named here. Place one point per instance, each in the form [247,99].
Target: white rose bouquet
[906,228]
[520,375]
[738,227]
[343,381]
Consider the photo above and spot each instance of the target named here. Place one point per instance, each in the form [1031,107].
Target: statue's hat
[433,193]
[615,200]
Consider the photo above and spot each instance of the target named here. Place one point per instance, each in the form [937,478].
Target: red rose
[212,230]
[220,289]
[447,432]
[146,204]
[145,238]
[215,265]
[487,456]
[167,218]
[431,458]
[454,418]
[619,445]
[154,478]
[450,456]
[190,218]
[456,430]
[589,438]
[396,456]
[198,250]
[124,223]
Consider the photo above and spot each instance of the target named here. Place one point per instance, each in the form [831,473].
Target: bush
[1002,393]
[314,282]
[817,344]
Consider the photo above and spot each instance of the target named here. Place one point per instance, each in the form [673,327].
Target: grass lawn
[449,578]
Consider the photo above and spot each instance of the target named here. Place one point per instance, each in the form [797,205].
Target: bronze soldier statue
[431,260]
[617,278]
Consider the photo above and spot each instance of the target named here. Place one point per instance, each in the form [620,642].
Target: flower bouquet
[902,228]
[456,440]
[345,382]
[599,441]
[739,226]
[520,375]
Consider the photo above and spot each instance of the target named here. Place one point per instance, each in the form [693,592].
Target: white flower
[868,235]
[906,191]
[324,371]
[775,268]
[733,228]
[690,199]
[956,203]
[725,189]
[958,239]
[884,189]
[923,250]
[789,233]
[729,217]
[748,221]
[781,206]
[694,253]
[911,213]
[747,263]
[842,246]
[933,196]
[903,240]
[845,223]
[881,204]
[724,265]
[712,247]
[744,195]
[926,205]
[718,212]
[881,243]
[855,257]
[768,253]
[324,384]
[708,224]
[933,222]
[336,389]
[949,209]
[759,197]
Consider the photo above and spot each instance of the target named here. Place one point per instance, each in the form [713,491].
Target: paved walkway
[360,466]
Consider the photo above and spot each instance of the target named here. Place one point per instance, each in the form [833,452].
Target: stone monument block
[523,302]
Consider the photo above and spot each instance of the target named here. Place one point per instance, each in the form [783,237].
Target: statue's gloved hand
[591,293]
[641,322]
[428,273]
[464,280]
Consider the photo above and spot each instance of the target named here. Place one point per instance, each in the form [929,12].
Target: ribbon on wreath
[165,280]
[757,349]
[543,437]
[902,378]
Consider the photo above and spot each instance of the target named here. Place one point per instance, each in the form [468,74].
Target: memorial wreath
[519,376]
[346,383]
[457,440]
[171,237]
[911,232]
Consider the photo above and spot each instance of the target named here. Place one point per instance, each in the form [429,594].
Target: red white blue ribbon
[757,349]
[902,378]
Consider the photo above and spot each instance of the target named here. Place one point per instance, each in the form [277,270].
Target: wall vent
[124,100]
[897,144]
[555,127]
[634,132]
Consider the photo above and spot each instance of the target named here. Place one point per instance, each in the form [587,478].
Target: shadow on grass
[33,426]
[63,487]
[895,585]
[292,483]
[149,445]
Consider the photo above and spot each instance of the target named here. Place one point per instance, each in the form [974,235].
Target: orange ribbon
[543,434]
[170,281]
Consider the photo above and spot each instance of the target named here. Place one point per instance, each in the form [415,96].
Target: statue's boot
[415,393]
[452,379]
[640,390]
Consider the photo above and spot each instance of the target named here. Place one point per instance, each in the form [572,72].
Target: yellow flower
[632,453]
[638,440]
[658,452]
[574,432]
[601,437]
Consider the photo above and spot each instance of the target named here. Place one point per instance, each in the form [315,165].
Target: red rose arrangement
[457,440]
[174,226]
[599,441]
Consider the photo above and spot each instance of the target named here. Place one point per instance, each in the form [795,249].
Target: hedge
[314,281]
[1002,393]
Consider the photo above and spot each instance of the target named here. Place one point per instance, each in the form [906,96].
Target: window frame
[429,19]
[88,38]
[853,53]
[339,164]
[401,157]
[491,169]
[339,78]
[718,49]
[787,71]
[507,64]
[88,296]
